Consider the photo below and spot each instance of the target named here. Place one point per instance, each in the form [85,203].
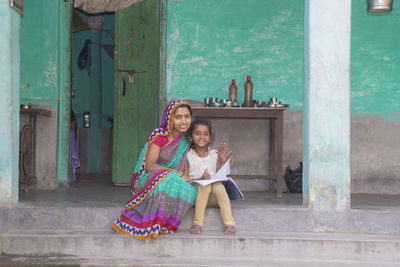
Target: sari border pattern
[142,194]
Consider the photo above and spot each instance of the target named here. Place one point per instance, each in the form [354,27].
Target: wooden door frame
[163,57]
[64,83]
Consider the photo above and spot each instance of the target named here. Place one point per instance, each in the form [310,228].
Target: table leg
[278,161]
[34,180]
[272,156]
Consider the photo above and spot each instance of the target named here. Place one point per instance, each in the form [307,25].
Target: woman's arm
[152,159]
[185,175]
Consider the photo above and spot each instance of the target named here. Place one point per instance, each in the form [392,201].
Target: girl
[161,197]
[202,163]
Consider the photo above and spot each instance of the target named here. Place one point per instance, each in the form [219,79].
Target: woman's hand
[223,156]
[181,173]
[185,178]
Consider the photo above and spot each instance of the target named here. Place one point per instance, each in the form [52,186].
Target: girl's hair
[185,106]
[199,122]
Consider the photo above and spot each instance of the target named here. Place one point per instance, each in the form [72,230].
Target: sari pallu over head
[140,173]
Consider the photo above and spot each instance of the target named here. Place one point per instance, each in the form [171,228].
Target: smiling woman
[161,197]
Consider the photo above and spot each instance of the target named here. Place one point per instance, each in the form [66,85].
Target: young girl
[203,162]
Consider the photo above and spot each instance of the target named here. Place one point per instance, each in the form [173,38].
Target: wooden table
[275,117]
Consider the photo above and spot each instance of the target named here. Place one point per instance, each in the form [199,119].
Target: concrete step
[244,246]
[248,216]
[70,261]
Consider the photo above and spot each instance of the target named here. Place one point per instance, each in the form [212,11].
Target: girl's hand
[223,156]
[206,175]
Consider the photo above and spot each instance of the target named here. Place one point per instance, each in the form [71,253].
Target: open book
[232,189]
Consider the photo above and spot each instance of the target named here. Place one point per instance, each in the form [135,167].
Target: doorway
[116,96]
[92,96]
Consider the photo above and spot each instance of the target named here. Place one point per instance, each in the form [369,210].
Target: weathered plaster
[375,155]
[9,103]
[45,65]
[4,221]
[39,57]
[328,123]
[211,42]
[374,59]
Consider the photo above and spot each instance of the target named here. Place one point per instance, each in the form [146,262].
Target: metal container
[258,103]
[375,6]
[225,102]
[214,104]
[208,102]
[25,106]
[235,104]
[273,100]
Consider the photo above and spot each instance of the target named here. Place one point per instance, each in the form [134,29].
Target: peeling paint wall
[9,104]
[211,42]
[40,81]
[375,83]
[39,53]
[375,100]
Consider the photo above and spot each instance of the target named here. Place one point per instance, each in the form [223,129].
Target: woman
[161,197]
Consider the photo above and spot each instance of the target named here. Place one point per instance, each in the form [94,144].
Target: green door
[136,99]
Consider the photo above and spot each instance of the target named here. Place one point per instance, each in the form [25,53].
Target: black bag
[294,179]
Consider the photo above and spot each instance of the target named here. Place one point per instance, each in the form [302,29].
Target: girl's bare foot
[196,229]
[230,230]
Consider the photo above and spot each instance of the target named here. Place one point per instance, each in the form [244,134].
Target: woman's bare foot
[196,229]
[230,230]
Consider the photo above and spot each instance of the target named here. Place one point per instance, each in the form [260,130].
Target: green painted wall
[94,90]
[211,42]
[39,53]
[375,65]
[45,70]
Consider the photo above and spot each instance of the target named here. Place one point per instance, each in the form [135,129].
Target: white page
[221,175]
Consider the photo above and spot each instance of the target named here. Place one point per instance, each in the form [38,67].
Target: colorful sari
[160,198]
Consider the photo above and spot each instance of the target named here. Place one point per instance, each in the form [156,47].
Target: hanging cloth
[78,24]
[99,6]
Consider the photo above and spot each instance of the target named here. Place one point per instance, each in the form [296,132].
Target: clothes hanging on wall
[74,154]
[84,58]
